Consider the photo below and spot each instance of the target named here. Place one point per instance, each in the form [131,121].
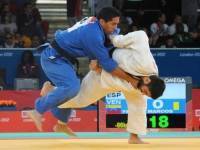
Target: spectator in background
[26,41]
[169,43]
[71,5]
[9,42]
[125,24]
[196,34]
[18,40]
[177,20]
[99,4]
[27,67]
[29,21]
[182,38]
[141,19]
[160,27]
[7,20]
[26,22]
[39,29]
[35,42]
[159,30]
[74,11]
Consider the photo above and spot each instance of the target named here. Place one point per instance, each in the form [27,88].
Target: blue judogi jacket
[86,41]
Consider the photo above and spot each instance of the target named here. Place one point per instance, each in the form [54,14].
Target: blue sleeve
[95,45]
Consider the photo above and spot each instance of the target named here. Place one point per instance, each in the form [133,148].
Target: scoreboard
[169,111]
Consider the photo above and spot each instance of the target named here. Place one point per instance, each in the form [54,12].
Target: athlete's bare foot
[64,128]
[36,117]
[134,139]
[46,88]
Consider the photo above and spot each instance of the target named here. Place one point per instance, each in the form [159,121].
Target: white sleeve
[122,41]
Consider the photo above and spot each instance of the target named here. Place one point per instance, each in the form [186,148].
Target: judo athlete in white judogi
[134,57]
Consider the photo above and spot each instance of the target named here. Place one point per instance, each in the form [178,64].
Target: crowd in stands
[161,34]
[27,68]
[21,25]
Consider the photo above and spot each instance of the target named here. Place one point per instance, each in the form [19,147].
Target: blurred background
[173,28]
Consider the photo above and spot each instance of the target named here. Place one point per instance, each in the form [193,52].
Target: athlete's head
[152,86]
[109,19]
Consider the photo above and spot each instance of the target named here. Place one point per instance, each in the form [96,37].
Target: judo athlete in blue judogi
[57,59]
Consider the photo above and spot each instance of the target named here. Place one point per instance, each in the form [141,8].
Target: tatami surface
[99,141]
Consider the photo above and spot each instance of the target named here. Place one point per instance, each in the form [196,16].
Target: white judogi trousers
[93,89]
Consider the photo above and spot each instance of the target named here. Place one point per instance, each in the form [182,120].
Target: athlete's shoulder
[93,30]
[94,26]
[140,33]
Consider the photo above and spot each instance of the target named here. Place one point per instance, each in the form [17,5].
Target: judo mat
[99,141]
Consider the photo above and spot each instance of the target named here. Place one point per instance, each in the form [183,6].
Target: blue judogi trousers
[61,72]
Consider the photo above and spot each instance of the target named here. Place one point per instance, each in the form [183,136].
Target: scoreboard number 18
[159,121]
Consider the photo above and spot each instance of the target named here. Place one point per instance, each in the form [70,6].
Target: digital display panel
[169,111]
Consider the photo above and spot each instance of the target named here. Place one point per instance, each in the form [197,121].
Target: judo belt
[63,53]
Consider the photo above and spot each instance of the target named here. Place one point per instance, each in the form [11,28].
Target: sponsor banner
[24,99]
[189,116]
[158,106]
[196,109]
[102,120]
[170,63]
[115,95]
[167,106]
[169,111]
[9,58]
[18,121]
[174,90]
[170,59]
[115,103]
[196,98]
[83,121]
[173,99]
[116,106]
[197,112]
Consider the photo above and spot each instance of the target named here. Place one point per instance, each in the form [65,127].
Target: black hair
[108,13]
[156,86]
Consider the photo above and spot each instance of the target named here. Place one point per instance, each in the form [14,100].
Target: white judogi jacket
[133,56]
